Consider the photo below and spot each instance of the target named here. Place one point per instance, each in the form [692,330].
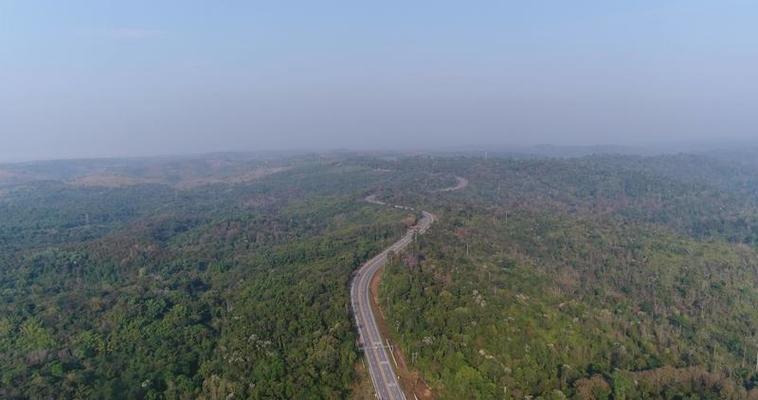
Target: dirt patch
[106,180]
[7,177]
[246,177]
[411,381]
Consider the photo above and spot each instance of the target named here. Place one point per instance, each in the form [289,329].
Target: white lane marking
[367,328]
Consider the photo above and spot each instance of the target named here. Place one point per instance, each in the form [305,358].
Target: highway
[374,347]
[460,184]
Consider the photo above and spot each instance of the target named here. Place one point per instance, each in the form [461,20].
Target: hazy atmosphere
[423,200]
[91,79]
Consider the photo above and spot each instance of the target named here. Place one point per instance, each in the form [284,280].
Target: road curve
[370,339]
[371,342]
[460,183]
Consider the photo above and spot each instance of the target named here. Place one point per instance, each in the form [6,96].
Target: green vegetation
[603,277]
[226,276]
[147,291]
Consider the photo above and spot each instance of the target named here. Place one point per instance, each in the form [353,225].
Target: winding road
[460,184]
[371,341]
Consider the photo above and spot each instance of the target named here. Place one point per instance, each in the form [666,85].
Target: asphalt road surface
[380,363]
[460,183]
[380,366]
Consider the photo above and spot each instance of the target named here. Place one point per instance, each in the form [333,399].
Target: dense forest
[156,290]
[227,276]
[602,277]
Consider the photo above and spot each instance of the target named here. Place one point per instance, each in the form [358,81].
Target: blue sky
[100,78]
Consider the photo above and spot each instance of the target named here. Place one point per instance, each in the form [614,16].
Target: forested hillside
[148,290]
[227,276]
[604,277]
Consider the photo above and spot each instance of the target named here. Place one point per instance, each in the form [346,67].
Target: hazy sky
[103,78]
